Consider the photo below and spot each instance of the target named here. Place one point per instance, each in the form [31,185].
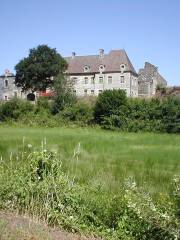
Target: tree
[37,71]
[63,93]
[110,102]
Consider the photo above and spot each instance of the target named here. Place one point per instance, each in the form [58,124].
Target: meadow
[106,157]
[115,184]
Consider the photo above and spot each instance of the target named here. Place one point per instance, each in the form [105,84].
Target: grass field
[106,158]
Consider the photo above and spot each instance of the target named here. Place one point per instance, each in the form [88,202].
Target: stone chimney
[73,54]
[7,72]
[101,52]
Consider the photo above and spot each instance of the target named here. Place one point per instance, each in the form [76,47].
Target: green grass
[106,158]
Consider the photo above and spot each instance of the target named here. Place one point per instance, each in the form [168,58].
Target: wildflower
[29,146]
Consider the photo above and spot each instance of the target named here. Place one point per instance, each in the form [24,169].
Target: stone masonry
[148,80]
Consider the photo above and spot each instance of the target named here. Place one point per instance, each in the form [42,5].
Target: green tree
[63,93]
[110,102]
[36,72]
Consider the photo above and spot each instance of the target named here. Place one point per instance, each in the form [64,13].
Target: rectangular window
[86,80]
[109,79]
[92,80]
[100,79]
[6,83]
[122,79]
[85,92]
[92,92]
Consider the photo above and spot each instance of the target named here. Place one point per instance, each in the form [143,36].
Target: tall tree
[63,93]
[37,71]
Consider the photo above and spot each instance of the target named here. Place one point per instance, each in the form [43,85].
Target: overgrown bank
[111,110]
[33,182]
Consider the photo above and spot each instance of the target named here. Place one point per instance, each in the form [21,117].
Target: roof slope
[111,61]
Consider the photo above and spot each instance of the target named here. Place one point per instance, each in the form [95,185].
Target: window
[109,79]
[122,79]
[100,91]
[6,83]
[122,67]
[92,92]
[101,68]
[86,68]
[92,80]
[100,79]
[85,92]
[86,80]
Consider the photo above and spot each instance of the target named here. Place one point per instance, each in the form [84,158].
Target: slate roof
[111,61]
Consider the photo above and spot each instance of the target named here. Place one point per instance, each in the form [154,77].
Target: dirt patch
[14,227]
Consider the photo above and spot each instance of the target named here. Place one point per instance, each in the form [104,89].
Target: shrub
[79,113]
[15,108]
[110,102]
[43,104]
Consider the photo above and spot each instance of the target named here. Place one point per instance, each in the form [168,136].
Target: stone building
[148,80]
[8,89]
[95,73]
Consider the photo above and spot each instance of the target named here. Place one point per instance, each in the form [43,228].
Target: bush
[79,113]
[43,104]
[15,108]
[110,102]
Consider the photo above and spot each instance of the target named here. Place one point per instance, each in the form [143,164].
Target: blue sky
[147,30]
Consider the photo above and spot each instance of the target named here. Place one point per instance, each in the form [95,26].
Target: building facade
[8,90]
[95,73]
[90,75]
[148,80]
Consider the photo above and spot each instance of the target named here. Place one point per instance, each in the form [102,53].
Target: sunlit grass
[106,158]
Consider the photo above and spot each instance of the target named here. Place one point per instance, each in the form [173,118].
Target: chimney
[101,52]
[7,72]
[73,54]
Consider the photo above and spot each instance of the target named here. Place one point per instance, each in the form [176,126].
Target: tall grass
[33,183]
[106,157]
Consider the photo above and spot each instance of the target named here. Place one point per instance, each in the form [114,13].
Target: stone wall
[90,84]
[8,90]
[148,79]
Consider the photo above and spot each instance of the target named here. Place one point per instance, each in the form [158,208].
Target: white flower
[29,146]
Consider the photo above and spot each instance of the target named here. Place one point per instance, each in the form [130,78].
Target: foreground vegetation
[111,110]
[117,185]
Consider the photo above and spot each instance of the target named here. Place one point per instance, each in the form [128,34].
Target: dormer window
[101,68]
[122,67]
[86,68]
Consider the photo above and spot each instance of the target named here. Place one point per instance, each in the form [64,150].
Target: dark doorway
[31,97]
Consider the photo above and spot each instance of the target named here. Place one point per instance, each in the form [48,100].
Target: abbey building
[93,74]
